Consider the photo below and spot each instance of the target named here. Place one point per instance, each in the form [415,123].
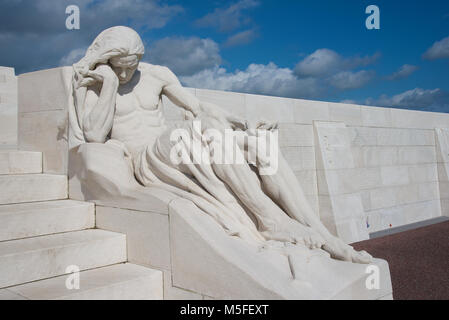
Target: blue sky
[303,49]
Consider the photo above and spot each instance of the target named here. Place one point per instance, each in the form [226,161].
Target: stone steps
[27,220]
[32,188]
[116,282]
[37,258]
[20,162]
[43,234]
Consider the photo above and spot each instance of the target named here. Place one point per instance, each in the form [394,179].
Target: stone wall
[43,116]
[386,173]
[8,108]
[363,169]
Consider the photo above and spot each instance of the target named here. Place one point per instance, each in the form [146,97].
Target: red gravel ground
[418,259]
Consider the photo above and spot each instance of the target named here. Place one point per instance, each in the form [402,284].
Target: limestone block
[272,109]
[445,207]
[442,142]
[333,141]
[366,199]
[117,282]
[8,124]
[45,90]
[147,234]
[308,181]
[415,155]
[405,137]
[46,132]
[7,71]
[32,187]
[300,158]
[393,196]
[353,229]
[402,118]
[343,181]
[393,176]
[363,136]
[232,102]
[376,117]
[442,172]
[213,265]
[379,156]
[423,173]
[444,189]
[174,293]
[8,90]
[428,191]
[43,257]
[374,221]
[224,267]
[100,173]
[35,219]
[442,147]
[20,162]
[407,194]
[347,206]
[307,111]
[295,135]
[387,218]
[343,211]
[350,114]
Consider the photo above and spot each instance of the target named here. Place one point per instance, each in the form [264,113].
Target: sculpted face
[124,67]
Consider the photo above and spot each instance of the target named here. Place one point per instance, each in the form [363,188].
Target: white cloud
[403,72]
[320,74]
[229,18]
[73,56]
[320,62]
[326,62]
[240,38]
[439,50]
[258,79]
[418,98]
[185,56]
[345,80]
[33,34]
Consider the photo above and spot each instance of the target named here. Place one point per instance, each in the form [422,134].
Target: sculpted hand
[237,123]
[102,73]
[261,125]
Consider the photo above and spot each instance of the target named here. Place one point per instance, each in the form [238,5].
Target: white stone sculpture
[257,229]
[117,100]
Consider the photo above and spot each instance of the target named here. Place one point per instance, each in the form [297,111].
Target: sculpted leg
[273,223]
[284,189]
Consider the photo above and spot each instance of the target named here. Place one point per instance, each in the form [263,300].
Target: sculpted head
[120,47]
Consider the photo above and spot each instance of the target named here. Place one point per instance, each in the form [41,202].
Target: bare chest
[141,97]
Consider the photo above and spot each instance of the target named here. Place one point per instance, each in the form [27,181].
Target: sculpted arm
[183,98]
[177,93]
[99,116]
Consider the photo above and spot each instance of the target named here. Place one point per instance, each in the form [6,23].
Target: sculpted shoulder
[160,72]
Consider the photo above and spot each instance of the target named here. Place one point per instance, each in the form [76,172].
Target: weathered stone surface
[30,187]
[43,257]
[146,234]
[41,218]
[20,162]
[116,282]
